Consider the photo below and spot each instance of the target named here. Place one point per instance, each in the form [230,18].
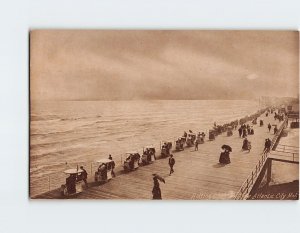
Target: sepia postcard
[164,114]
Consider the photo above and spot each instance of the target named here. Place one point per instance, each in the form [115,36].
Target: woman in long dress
[227,158]
[224,157]
[156,192]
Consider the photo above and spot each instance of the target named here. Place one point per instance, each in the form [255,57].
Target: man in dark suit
[171,163]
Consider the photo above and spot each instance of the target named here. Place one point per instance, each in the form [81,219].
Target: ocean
[66,133]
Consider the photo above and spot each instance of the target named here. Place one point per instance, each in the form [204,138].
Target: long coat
[156,192]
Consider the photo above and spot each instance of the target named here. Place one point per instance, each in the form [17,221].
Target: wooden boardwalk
[198,175]
[288,148]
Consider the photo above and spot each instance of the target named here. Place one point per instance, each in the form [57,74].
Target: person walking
[84,175]
[196,145]
[245,144]
[269,127]
[112,166]
[268,144]
[261,123]
[156,192]
[171,163]
[244,132]
[240,131]
[275,129]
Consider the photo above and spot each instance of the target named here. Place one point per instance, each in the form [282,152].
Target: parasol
[159,178]
[226,147]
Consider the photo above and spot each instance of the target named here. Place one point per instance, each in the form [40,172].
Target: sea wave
[69,131]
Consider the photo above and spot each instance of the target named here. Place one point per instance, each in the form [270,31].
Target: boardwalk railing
[251,179]
[285,156]
[39,185]
[287,148]
[46,183]
[285,153]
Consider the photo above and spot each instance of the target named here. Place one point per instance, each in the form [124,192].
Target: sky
[183,64]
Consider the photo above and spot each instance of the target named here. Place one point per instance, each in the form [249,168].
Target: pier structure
[283,163]
[263,169]
[198,174]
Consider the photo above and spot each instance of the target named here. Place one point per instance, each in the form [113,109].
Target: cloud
[108,65]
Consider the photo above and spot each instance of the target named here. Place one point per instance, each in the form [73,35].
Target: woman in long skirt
[156,192]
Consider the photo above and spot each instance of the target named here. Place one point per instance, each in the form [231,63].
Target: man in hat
[84,175]
[171,163]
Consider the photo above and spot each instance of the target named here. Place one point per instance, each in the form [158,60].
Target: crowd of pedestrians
[243,131]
